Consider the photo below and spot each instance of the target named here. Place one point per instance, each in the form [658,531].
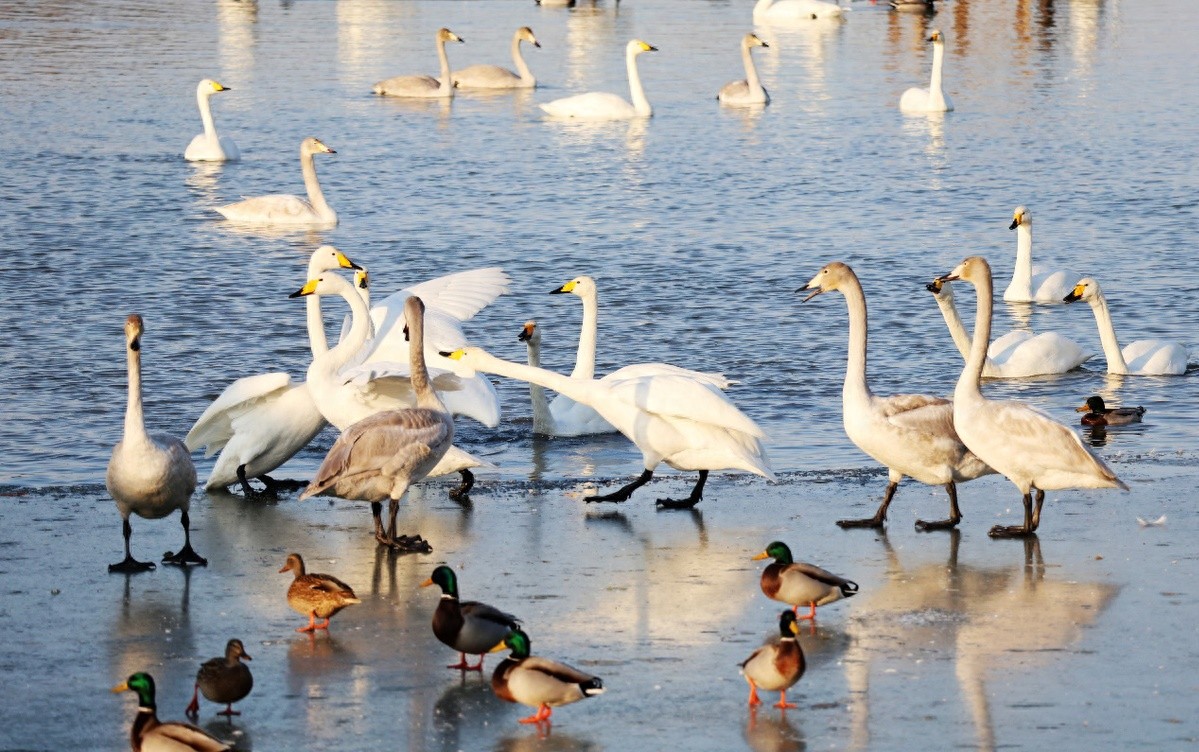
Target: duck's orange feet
[324,625]
[311,624]
[754,700]
[462,665]
[810,615]
[541,716]
[478,667]
[782,704]
[193,708]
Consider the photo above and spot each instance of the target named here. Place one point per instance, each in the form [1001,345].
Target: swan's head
[753,40]
[313,145]
[637,47]
[414,315]
[326,258]
[530,333]
[465,360]
[208,87]
[1093,405]
[936,37]
[830,278]
[1087,289]
[326,284]
[582,286]
[941,289]
[1021,216]
[975,270]
[445,35]
[133,331]
[362,279]
[525,34]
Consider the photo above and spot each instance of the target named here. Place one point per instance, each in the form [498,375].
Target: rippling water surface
[698,225]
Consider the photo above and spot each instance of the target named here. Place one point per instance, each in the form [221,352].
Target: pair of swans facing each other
[286,209]
[210,146]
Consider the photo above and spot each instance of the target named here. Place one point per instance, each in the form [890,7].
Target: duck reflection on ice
[773,732]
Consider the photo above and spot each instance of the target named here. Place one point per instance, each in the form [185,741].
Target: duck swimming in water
[1099,414]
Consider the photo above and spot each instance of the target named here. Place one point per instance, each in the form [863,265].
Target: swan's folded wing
[183,736]
[215,426]
[684,397]
[899,404]
[464,294]
[665,369]
[276,206]
[378,443]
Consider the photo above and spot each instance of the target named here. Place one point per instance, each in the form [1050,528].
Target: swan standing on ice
[424,87]
[148,475]
[1145,357]
[1017,354]
[912,434]
[381,456]
[286,209]
[208,146]
[1026,287]
[260,422]
[688,424]
[932,99]
[1031,449]
[495,77]
[599,105]
[750,90]
[766,11]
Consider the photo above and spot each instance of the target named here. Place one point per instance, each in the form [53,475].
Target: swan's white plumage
[210,146]
[1144,357]
[602,105]
[286,209]
[1028,286]
[775,11]
[424,87]
[495,77]
[934,98]
[748,91]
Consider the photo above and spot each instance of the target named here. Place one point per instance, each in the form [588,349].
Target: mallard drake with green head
[1099,414]
[316,595]
[466,626]
[776,666]
[223,680]
[152,735]
[539,682]
[798,584]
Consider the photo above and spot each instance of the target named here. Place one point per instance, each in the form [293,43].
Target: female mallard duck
[148,733]
[1099,414]
[316,595]
[798,584]
[468,627]
[226,680]
[539,682]
[776,666]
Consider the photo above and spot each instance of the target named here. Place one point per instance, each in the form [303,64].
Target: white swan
[208,146]
[1026,287]
[912,434]
[286,209]
[148,475]
[495,77]
[424,87]
[1145,357]
[1018,353]
[685,423]
[599,105]
[564,416]
[1028,447]
[932,99]
[750,90]
[260,422]
[346,391]
[380,456]
[766,11]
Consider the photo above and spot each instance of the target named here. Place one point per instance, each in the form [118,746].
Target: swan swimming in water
[1145,357]
[286,209]
[932,99]
[493,76]
[766,11]
[209,146]
[1027,287]
[599,105]
[424,87]
[1031,449]
[748,91]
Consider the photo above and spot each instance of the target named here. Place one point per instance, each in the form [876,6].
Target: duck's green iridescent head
[143,684]
[778,551]
[444,578]
[516,641]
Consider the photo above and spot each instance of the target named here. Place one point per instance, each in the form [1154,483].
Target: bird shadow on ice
[768,730]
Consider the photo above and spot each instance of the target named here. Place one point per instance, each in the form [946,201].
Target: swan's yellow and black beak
[648,47]
[946,278]
[1016,220]
[344,262]
[1075,294]
[362,279]
[816,290]
[935,286]
[568,287]
[455,355]
[217,86]
[526,333]
[308,288]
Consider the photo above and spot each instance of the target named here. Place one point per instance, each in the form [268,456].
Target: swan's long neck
[751,70]
[135,424]
[425,396]
[446,82]
[518,60]
[206,113]
[967,386]
[1022,274]
[1107,335]
[315,196]
[934,86]
[574,388]
[360,332]
[640,103]
[543,421]
[957,330]
[585,358]
[318,342]
[855,368]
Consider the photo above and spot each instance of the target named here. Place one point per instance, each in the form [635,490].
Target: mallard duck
[148,733]
[1099,414]
[223,679]
[776,666]
[799,584]
[468,627]
[538,682]
[316,595]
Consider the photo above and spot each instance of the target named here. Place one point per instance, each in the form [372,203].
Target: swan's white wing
[443,333]
[665,369]
[1155,357]
[215,426]
[1005,343]
[683,397]
[595,105]
[1048,352]
[275,207]
[919,412]
[460,295]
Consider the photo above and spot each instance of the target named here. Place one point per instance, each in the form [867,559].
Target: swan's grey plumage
[748,91]
[424,87]
[484,76]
